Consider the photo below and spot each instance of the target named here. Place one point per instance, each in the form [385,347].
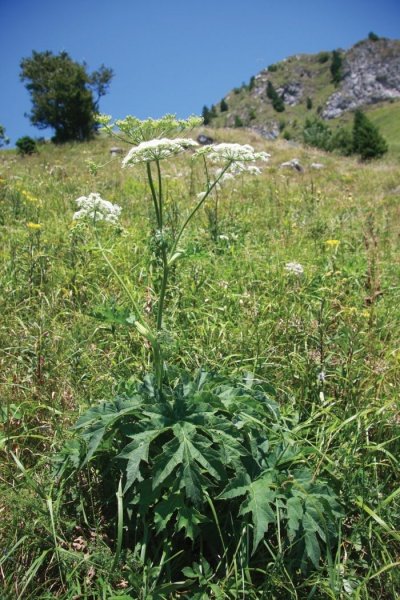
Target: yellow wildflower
[333,243]
[34,226]
[30,198]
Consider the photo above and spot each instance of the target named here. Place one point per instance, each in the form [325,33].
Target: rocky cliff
[370,74]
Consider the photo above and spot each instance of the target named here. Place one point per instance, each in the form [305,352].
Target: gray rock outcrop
[371,73]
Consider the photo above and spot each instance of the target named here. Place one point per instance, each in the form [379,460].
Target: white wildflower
[157,150]
[232,152]
[295,268]
[95,208]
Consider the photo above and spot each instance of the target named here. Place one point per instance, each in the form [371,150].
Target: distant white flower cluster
[233,152]
[295,268]
[238,168]
[95,208]
[157,150]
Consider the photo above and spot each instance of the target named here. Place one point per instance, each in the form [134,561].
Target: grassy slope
[233,308]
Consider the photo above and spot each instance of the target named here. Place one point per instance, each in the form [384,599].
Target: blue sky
[174,55]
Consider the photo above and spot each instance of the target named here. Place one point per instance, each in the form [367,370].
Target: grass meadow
[323,343]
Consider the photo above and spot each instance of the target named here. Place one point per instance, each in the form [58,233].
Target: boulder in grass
[293,164]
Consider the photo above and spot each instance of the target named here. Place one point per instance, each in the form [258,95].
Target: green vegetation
[367,141]
[26,145]
[275,98]
[64,95]
[364,139]
[223,106]
[373,37]
[261,459]
[3,138]
[336,67]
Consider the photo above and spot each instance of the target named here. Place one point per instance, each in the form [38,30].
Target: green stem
[140,324]
[154,196]
[198,206]
[163,290]
[160,194]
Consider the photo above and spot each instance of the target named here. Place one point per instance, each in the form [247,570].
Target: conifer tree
[367,141]
[223,106]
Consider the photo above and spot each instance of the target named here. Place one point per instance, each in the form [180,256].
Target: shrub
[251,83]
[26,145]
[317,133]
[367,141]
[342,141]
[373,37]
[309,103]
[323,57]
[238,121]
[272,68]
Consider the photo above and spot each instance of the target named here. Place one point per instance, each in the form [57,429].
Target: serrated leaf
[111,314]
[139,454]
[173,457]
[93,438]
[237,487]
[165,509]
[312,547]
[189,519]
[260,498]
[294,507]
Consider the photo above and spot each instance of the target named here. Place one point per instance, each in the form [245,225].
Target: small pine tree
[277,101]
[373,37]
[206,114]
[309,103]
[223,105]
[251,83]
[336,67]
[367,141]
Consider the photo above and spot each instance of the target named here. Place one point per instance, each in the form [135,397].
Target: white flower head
[232,152]
[295,268]
[157,150]
[93,207]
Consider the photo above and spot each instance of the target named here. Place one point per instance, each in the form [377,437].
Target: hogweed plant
[196,468]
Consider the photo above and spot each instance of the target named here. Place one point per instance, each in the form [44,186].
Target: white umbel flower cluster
[157,150]
[232,152]
[93,207]
[295,268]
[238,168]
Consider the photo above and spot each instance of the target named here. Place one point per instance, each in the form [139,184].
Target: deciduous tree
[64,95]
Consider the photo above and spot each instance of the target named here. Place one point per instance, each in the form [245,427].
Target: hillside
[368,77]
